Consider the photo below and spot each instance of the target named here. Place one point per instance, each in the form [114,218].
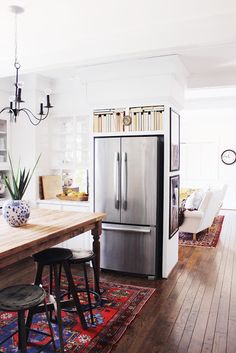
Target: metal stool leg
[50,287]
[21,332]
[39,274]
[50,279]
[60,269]
[68,286]
[37,282]
[74,294]
[88,292]
[59,319]
[50,326]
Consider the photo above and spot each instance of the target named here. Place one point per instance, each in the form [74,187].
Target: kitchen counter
[82,242]
[63,202]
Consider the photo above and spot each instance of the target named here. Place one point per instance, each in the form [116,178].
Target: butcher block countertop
[44,229]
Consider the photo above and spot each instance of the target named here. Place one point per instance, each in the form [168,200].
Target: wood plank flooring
[193,311]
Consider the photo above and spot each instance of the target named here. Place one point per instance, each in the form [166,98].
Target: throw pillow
[194,200]
[185,192]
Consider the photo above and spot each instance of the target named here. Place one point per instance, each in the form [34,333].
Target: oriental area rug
[207,238]
[119,306]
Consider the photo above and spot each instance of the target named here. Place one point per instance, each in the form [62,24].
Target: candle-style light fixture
[14,108]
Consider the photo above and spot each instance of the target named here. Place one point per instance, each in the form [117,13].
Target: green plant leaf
[9,187]
[22,182]
[18,172]
[14,181]
[27,183]
[19,181]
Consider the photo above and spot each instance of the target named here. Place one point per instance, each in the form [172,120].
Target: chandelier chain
[16,63]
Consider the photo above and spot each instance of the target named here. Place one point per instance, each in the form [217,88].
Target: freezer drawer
[128,248]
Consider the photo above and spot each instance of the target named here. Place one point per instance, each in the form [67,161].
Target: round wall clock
[127,120]
[228,157]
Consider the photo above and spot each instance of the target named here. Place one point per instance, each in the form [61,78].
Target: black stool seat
[52,256]
[80,256]
[21,297]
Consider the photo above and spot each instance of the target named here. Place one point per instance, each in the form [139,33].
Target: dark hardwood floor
[193,311]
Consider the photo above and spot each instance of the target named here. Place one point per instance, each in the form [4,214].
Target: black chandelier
[14,109]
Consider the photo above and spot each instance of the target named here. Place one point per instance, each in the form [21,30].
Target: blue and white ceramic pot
[16,212]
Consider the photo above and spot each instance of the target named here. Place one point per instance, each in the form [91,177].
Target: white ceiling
[71,33]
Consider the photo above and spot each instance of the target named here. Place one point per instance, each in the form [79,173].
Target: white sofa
[198,220]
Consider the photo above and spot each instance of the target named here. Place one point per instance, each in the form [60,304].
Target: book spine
[95,123]
[113,122]
[102,123]
[146,121]
[139,121]
[152,121]
[149,121]
[99,123]
[161,120]
[134,117]
[121,122]
[158,121]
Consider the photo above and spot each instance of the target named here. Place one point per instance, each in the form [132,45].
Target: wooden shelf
[128,133]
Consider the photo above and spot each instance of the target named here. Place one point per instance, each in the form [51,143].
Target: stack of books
[108,121]
[140,119]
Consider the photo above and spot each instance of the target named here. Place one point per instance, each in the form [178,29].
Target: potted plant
[17,211]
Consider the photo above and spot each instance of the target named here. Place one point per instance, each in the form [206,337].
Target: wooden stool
[83,257]
[20,298]
[53,258]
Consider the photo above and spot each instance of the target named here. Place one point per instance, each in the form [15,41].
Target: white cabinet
[4,143]
[69,142]
[50,206]
[82,241]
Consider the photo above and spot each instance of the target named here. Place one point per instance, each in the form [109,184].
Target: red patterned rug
[207,238]
[119,307]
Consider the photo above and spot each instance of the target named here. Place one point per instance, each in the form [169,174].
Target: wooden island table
[45,229]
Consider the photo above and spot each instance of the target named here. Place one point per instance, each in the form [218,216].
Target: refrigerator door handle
[116,179]
[127,228]
[124,181]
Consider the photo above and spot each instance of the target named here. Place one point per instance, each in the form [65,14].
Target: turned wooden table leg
[96,232]
[194,236]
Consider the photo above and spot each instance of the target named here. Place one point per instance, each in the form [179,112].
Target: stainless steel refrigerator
[128,187]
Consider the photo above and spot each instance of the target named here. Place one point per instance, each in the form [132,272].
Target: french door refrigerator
[128,187]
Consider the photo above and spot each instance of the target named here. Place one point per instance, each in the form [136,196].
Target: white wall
[207,129]
[132,83]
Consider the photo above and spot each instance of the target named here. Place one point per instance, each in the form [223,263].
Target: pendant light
[15,107]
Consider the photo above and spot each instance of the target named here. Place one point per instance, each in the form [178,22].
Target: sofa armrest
[193,214]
